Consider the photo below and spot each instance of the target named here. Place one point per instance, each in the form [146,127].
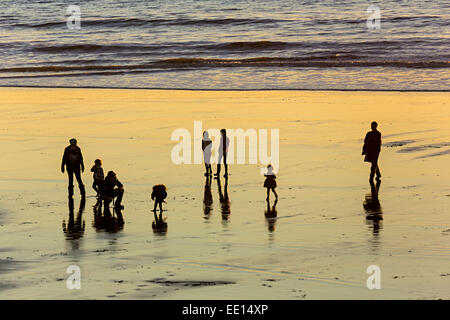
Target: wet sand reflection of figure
[74,228]
[207,198]
[159,226]
[374,212]
[105,221]
[271,215]
[225,204]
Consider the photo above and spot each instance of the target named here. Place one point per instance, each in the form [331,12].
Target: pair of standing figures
[223,151]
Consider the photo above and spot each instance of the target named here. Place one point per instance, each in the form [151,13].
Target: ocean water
[211,44]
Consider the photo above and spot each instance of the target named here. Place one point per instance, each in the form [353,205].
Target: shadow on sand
[159,226]
[74,228]
[374,212]
[271,215]
[207,199]
[225,205]
[105,221]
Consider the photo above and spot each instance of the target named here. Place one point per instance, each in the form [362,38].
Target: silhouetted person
[270,183]
[207,198]
[206,147]
[74,228]
[98,176]
[223,152]
[159,226]
[112,188]
[271,215]
[225,205]
[159,194]
[371,150]
[372,206]
[73,162]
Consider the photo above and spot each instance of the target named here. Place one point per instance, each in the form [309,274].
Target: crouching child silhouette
[159,194]
[112,188]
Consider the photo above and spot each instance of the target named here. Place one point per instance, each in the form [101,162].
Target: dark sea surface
[210,44]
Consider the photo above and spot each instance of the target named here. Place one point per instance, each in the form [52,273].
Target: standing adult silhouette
[371,150]
[206,147]
[72,161]
[223,152]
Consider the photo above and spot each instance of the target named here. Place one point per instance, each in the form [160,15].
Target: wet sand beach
[327,230]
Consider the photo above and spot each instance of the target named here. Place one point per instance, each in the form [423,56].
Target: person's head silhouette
[73,142]
[111,175]
[374,125]
[223,132]
[205,135]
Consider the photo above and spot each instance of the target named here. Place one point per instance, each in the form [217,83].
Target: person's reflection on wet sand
[159,226]
[271,215]
[374,212]
[225,205]
[105,221]
[207,198]
[74,228]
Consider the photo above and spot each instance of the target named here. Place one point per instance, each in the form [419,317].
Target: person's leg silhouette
[374,170]
[275,193]
[219,161]
[70,175]
[80,182]
[225,163]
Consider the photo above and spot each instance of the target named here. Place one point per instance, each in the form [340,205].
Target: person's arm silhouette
[82,162]
[364,149]
[63,162]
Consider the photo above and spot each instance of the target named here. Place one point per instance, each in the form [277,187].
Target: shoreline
[220,90]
